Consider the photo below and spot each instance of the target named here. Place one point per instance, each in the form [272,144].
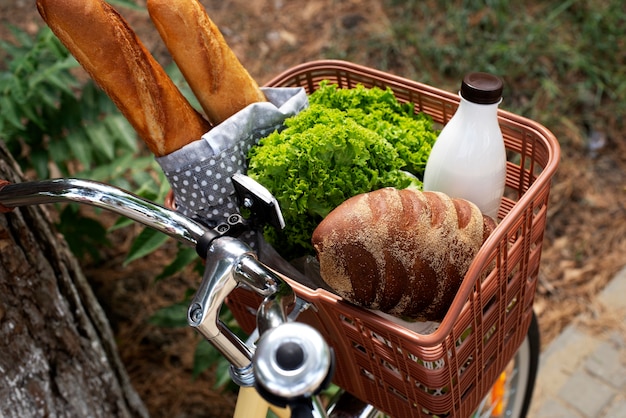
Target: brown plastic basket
[448,372]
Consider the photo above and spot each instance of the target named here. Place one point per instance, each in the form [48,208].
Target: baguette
[108,49]
[403,252]
[217,78]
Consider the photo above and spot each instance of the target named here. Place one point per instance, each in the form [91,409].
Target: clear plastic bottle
[468,159]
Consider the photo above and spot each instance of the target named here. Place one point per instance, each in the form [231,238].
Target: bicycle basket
[449,371]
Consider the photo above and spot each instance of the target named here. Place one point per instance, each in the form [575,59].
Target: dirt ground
[585,239]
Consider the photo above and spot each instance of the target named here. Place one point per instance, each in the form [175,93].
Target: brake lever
[256,199]
[261,206]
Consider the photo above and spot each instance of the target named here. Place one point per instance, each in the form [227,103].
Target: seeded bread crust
[403,252]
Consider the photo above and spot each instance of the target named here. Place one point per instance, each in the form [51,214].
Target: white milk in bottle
[468,159]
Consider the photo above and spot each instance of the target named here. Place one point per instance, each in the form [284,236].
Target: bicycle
[292,362]
[482,359]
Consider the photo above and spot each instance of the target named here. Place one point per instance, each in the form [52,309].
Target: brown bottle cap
[482,88]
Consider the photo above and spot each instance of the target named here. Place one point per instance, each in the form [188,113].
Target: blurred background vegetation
[562,61]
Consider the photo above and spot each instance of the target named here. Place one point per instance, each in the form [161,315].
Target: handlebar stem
[279,296]
[218,281]
[229,263]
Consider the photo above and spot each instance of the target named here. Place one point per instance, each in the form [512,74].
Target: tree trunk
[57,353]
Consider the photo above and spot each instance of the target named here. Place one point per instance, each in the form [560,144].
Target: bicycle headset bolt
[196,314]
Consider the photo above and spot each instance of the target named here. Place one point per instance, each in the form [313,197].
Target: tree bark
[57,353]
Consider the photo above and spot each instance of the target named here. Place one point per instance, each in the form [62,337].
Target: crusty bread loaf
[108,49]
[403,252]
[217,78]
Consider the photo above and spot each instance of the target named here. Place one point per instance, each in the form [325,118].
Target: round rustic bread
[403,252]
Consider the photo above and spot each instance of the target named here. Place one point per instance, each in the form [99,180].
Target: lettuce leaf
[349,141]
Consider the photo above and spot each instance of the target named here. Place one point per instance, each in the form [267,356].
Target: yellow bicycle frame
[251,405]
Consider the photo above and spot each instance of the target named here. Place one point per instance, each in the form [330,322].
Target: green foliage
[171,316]
[55,125]
[148,241]
[558,59]
[83,234]
[184,257]
[50,119]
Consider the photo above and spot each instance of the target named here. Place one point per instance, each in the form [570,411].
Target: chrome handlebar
[103,196]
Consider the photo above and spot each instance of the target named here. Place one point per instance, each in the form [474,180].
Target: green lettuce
[347,142]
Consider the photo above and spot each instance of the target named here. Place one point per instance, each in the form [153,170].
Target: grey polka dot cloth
[200,173]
